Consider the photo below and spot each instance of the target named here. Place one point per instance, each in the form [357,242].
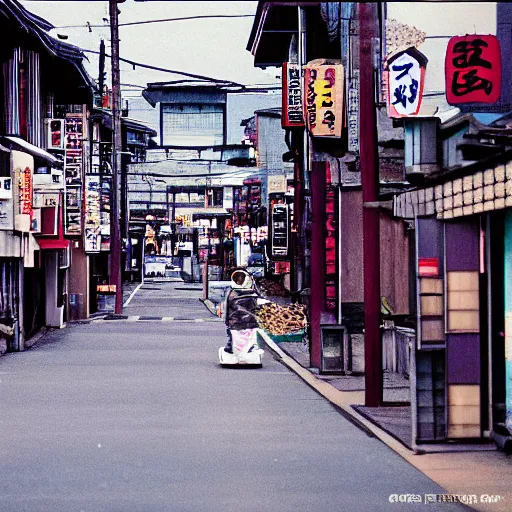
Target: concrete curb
[340,399]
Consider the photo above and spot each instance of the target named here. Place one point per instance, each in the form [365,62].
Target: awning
[52,243]
[30,148]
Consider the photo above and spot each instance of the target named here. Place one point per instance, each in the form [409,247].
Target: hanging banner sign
[92,228]
[323,101]
[22,169]
[473,69]
[406,77]
[293,114]
[353,112]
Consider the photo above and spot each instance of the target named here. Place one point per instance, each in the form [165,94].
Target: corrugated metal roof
[29,148]
[39,28]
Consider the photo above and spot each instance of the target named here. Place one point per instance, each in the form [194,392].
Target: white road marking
[132,295]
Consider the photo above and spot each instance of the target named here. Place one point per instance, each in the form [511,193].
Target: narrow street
[129,415]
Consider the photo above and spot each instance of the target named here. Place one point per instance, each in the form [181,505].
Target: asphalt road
[138,416]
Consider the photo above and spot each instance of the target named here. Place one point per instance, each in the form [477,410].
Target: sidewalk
[477,471]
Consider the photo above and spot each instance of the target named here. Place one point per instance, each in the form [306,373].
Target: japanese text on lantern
[293,114]
[406,75]
[25,190]
[323,100]
[473,69]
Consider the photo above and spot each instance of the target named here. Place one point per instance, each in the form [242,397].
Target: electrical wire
[166,70]
[146,22]
[212,175]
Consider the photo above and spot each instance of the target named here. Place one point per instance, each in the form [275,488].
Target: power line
[227,175]
[166,70]
[145,22]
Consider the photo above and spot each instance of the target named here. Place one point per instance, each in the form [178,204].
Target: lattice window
[192,125]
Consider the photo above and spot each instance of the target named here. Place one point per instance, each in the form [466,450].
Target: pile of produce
[280,320]
[269,287]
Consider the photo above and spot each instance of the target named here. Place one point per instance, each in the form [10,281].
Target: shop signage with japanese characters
[353,112]
[473,69]
[323,98]
[74,136]
[98,187]
[406,76]
[293,114]
[92,224]
[25,190]
[22,170]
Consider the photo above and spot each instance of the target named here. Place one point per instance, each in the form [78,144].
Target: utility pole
[370,181]
[101,77]
[115,231]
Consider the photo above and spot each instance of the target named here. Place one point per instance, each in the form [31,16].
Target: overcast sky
[211,47]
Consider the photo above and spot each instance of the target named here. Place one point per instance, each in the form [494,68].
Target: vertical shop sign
[323,98]
[473,69]
[98,187]
[293,114]
[406,77]
[353,112]
[25,190]
[92,224]
[74,136]
[22,170]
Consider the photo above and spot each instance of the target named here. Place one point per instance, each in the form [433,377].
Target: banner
[22,165]
[323,101]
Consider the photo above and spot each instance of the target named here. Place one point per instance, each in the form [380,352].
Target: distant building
[195,179]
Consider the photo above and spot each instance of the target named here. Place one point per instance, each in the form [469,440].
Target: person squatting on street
[240,313]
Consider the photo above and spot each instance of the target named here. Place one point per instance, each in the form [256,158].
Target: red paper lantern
[473,69]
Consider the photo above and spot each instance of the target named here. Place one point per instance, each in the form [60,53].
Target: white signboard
[276,184]
[45,199]
[6,214]
[405,85]
[6,188]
